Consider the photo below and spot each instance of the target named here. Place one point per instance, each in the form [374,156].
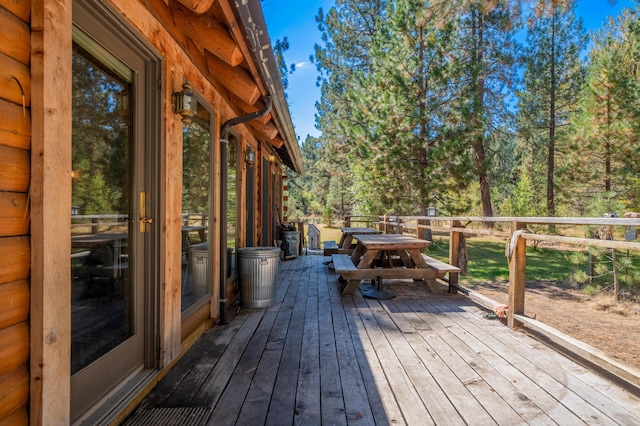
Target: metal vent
[178,416]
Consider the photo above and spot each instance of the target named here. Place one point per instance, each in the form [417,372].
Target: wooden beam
[14,347]
[14,169]
[15,125]
[15,307]
[14,34]
[198,6]
[12,72]
[14,393]
[234,79]
[21,9]
[236,32]
[277,142]
[269,131]
[583,242]
[455,239]
[14,214]
[50,194]
[208,34]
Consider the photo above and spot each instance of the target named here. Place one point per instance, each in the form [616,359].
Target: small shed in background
[314,237]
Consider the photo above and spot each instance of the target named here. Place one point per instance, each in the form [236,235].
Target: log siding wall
[15,171]
[35,155]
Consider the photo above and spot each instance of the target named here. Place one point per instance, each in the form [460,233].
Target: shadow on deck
[319,358]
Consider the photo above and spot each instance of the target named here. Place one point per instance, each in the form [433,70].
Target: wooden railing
[98,222]
[515,231]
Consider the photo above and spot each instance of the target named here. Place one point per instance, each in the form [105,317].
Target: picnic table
[389,256]
[348,234]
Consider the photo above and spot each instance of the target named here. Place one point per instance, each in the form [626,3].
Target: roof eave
[255,32]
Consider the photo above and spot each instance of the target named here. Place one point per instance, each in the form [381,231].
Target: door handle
[144,219]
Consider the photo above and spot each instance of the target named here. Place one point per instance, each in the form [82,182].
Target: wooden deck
[320,358]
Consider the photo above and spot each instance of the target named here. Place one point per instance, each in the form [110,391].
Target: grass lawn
[328,234]
[488,262]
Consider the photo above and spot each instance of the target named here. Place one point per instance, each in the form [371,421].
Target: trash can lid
[256,250]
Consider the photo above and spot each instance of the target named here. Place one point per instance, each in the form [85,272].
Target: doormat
[178,416]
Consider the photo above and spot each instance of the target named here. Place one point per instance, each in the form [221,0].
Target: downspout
[224,132]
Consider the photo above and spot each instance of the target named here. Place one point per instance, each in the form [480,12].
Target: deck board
[317,357]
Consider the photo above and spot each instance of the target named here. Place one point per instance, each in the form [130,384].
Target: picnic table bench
[330,247]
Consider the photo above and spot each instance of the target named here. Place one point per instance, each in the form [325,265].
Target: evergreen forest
[475,107]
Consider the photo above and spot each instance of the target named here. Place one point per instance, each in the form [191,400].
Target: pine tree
[401,113]
[603,128]
[552,80]
[347,31]
[486,59]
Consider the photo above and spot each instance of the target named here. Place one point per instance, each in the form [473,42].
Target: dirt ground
[610,326]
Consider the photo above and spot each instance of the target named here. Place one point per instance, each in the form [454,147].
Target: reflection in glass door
[101,290]
[196,189]
[232,206]
[108,197]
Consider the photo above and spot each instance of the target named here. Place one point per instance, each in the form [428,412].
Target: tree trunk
[479,148]
[551,145]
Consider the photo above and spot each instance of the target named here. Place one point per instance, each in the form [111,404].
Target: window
[196,207]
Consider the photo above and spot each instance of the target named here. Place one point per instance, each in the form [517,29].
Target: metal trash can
[199,267]
[291,243]
[257,270]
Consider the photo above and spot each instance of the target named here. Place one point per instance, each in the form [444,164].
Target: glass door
[111,215]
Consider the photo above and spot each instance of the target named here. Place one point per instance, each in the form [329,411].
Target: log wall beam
[269,130]
[236,32]
[234,79]
[14,34]
[209,34]
[197,6]
[14,214]
[14,169]
[15,125]
[276,142]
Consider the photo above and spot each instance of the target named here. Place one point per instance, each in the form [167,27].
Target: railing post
[454,254]
[517,275]
[399,227]
[347,221]
[422,232]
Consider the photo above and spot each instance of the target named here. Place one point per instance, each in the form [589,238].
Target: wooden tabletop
[392,241]
[358,231]
[90,239]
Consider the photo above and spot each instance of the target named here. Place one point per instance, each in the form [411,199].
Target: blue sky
[296,21]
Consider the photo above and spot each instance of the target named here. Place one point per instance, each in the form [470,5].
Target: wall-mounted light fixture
[232,155]
[185,103]
[122,102]
[250,157]
[272,158]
